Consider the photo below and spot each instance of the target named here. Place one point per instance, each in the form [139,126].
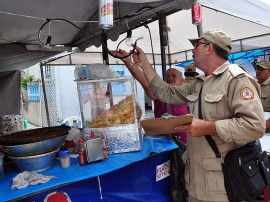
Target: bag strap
[209,139]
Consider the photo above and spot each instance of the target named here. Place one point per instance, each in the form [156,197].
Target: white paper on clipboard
[162,126]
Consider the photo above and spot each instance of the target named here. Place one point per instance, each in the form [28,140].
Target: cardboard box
[162,126]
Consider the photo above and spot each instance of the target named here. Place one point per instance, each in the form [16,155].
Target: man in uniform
[190,73]
[263,76]
[231,110]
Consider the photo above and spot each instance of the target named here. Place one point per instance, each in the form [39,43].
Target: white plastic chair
[69,121]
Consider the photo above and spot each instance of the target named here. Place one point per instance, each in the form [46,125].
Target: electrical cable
[49,21]
[129,34]
[120,43]
[109,52]
[49,38]
[147,27]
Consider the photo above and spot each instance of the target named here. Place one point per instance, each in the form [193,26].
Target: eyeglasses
[258,68]
[199,42]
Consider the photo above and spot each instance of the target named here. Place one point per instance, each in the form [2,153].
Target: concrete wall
[31,110]
[67,98]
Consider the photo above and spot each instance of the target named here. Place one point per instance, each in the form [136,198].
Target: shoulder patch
[247,93]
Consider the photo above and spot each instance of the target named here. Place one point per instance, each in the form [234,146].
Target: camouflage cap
[217,37]
[264,64]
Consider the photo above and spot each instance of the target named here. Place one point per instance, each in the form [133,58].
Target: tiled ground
[149,114]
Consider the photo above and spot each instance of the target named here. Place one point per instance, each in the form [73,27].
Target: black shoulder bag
[246,169]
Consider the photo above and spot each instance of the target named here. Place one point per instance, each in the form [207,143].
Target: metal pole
[163,43]
[200,29]
[105,57]
[44,95]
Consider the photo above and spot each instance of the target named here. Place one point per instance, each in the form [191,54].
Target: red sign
[196,13]
[163,170]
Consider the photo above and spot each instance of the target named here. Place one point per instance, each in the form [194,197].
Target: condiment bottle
[105,151]
[92,135]
[82,153]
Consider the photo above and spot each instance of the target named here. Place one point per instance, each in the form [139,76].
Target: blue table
[124,177]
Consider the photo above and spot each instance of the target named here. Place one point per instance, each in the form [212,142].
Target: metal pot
[35,163]
[35,147]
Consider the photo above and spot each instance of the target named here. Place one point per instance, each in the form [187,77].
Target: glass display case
[109,108]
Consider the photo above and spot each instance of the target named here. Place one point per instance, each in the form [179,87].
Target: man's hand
[140,58]
[141,61]
[198,128]
[121,53]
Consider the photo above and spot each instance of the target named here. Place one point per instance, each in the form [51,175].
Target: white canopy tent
[33,30]
[245,21]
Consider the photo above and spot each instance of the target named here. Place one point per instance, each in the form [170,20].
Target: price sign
[163,170]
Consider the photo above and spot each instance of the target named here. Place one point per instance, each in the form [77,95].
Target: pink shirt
[176,110]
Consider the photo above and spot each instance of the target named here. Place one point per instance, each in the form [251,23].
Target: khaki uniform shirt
[230,98]
[189,79]
[265,96]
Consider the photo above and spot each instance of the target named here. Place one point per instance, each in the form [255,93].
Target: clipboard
[162,126]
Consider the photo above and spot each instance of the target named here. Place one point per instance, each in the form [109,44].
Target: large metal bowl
[35,163]
[34,148]
[33,135]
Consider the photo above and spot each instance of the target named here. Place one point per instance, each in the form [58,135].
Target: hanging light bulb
[129,41]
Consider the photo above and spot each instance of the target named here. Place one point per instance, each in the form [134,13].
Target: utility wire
[109,52]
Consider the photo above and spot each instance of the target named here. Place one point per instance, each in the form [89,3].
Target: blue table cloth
[77,173]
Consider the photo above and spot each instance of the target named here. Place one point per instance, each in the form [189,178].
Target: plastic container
[109,107]
[1,164]
[64,156]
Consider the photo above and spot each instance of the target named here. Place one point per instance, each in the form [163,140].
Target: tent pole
[200,29]
[163,43]
[105,57]
[44,94]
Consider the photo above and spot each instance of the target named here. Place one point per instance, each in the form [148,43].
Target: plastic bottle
[75,124]
[25,122]
[105,151]
[64,156]
[92,135]
[82,153]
